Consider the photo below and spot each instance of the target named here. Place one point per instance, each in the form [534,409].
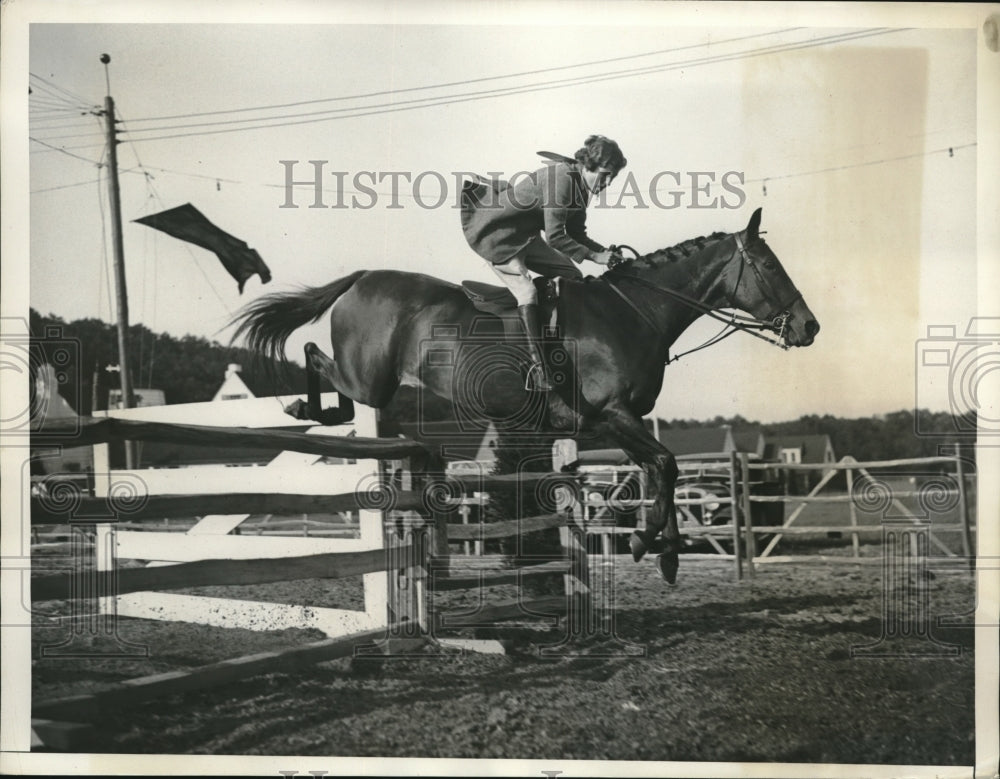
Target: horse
[614,336]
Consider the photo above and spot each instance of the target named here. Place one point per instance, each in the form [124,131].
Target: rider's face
[597,179]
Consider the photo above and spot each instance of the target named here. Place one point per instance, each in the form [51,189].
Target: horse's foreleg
[317,365]
[661,467]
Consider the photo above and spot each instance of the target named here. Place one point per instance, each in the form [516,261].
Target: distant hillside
[187,369]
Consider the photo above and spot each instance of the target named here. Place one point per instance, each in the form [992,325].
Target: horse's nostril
[812,327]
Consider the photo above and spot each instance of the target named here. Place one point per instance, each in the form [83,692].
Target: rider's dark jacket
[499,219]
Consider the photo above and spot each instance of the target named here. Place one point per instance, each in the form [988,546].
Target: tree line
[898,434]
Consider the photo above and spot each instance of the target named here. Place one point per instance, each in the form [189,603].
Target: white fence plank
[177,548]
[249,615]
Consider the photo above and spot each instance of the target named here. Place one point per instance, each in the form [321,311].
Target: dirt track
[751,671]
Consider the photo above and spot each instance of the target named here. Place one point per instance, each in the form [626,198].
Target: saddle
[500,302]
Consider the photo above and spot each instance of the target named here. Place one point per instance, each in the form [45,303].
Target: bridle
[778,322]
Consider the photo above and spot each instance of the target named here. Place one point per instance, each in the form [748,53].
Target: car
[712,509]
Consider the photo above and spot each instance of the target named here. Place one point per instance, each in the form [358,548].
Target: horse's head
[755,282]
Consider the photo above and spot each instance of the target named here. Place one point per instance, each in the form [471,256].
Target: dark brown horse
[390,327]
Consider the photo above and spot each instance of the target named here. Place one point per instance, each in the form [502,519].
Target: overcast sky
[870,214]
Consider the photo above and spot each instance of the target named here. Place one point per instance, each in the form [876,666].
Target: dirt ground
[759,670]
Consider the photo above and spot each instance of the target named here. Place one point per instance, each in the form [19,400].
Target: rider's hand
[608,257]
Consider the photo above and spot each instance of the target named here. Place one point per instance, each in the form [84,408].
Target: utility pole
[121,293]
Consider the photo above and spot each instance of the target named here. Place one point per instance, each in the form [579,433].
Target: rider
[503,224]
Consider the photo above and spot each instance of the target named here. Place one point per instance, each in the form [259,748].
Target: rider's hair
[599,151]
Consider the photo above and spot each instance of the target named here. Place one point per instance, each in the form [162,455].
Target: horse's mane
[679,251]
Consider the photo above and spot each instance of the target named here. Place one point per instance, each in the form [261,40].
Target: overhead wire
[464,82]
[836,168]
[360,111]
[383,108]
[69,94]
[63,151]
[423,87]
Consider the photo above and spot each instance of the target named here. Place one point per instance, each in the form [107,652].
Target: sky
[840,133]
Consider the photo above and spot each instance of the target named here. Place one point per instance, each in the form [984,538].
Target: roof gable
[233,387]
[815,448]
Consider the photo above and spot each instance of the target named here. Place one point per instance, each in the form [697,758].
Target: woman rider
[504,225]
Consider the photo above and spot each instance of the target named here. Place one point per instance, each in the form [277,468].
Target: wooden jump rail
[89,430]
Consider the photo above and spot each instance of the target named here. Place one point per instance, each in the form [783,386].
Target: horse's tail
[266,323]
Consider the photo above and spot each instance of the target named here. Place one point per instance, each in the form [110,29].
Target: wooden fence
[403,552]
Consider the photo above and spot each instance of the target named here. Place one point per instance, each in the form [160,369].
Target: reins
[734,321]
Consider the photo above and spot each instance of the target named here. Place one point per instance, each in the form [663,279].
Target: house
[810,449]
[801,449]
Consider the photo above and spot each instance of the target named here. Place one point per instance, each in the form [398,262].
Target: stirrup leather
[536,380]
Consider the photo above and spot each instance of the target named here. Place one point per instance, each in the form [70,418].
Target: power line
[78,123]
[361,111]
[41,120]
[68,93]
[610,191]
[64,151]
[68,136]
[949,149]
[463,82]
[77,184]
[42,95]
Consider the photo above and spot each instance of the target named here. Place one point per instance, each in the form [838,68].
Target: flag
[188,224]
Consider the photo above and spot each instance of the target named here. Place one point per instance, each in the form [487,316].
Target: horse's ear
[753,229]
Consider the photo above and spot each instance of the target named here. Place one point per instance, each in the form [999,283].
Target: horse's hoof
[298,409]
[668,565]
[638,545]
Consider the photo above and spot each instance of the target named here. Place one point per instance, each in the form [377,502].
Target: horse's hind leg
[318,364]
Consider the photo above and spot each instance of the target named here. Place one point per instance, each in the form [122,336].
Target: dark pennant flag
[188,224]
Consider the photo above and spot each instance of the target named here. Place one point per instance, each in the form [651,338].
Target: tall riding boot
[538,379]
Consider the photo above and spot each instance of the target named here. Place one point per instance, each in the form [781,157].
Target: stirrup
[536,380]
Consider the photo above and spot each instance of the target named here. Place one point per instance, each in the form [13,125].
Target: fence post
[463,511]
[855,539]
[751,544]
[963,509]
[734,505]
[573,536]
